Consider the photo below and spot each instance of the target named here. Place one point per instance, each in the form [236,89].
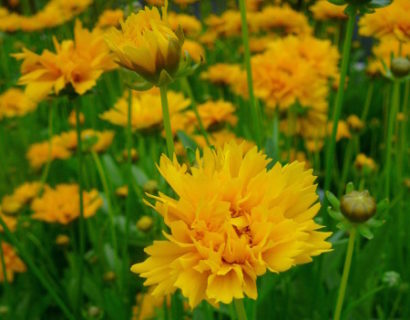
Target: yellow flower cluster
[12,261]
[62,204]
[15,103]
[363,162]
[146,108]
[212,113]
[110,18]
[62,146]
[232,220]
[391,22]
[21,196]
[282,20]
[324,10]
[78,63]
[55,13]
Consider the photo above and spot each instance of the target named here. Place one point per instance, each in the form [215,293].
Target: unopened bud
[400,67]
[358,206]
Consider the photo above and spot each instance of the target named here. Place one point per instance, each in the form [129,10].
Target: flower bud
[151,186]
[62,240]
[109,276]
[144,223]
[400,67]
[94,312]
[358,206]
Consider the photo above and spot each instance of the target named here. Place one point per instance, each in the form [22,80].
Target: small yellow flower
[12,261]
[72,119]
[146,109]
[324,10]
[222,73]
[231,221]
[40,153]
[110,18]
[194,50]
[11,222]
[122,191]
[62,240]
[144,223]
[14,103]
[61,205]
[355,123]
[146,44]
[362,162]
[189,24]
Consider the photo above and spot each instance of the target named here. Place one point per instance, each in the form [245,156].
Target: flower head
[146,44]
[391,22]
[61,205]
[324,10]
[146,109]
[231,221]
[110,18]
[14,103]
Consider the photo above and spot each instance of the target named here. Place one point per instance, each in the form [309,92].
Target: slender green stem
[188,90]
[81,204]
[167,121]
[240,309]
[392,119]
[104,182]
[346,165]
[44,176]
[330,151]
[36,271]
[368,101]
[345,275]
[255,110]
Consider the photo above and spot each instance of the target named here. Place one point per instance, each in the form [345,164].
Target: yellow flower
[144,223]
[342,130]
[253,5]
[62,240]
[122,191]
[222,73]
[390,22]
[61,205]
[14,103]
[40,153]
[11,222]
[98,141]
[363,162]
[72,120]
[231,221]
[12,261]
[355,123]
[383,53]
[110,18]
[146,44]
[189,24]
[146,305]
[146,108]
[194,50]
[324,10]
[78,63]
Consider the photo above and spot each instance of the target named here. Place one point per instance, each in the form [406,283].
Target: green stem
[188,90]
[81,204]
[240,309]
[368,101]
[255,111]
[346,165]
[345,275]
[330,151]
[104,182]
[167,121]
[5,279]
[50,146]
[392,119]
[36,271]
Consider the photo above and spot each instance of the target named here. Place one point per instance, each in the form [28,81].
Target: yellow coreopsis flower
[146,109]
[99,140]
[110,18]
[189,24]
[194,50]
[14,103]
[79,63]
[222,73]
[146,44]
[62,205]
[40,153]
[363,162]
[12,261]
[390,22]
[324,10]
[231,221]
[11,222]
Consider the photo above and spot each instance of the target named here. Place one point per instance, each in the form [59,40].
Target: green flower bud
[358,206]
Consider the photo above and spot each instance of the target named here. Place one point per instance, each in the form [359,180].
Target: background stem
[167,121]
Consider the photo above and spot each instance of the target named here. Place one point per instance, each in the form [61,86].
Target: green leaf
[338,2]
[375,4]
[349,187]
[112,170]
[333,200]
[374,223]
[365,231]
[344,225]
[337,215]
[382,206]
[187,142]
[139,175]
